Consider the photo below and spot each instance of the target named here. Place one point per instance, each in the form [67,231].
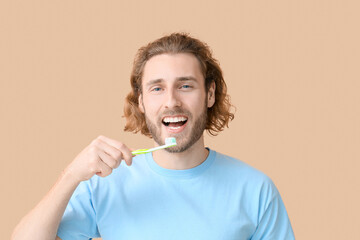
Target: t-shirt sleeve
[79,219]
[273,220]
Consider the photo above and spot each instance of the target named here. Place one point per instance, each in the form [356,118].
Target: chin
[176,149]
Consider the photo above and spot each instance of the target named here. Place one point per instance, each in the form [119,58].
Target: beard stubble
[184,144]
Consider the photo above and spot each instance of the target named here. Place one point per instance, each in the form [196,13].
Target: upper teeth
[174,119]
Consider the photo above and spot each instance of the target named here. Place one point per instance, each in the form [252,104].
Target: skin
[104,154]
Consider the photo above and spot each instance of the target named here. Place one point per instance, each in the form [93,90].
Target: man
[183,192]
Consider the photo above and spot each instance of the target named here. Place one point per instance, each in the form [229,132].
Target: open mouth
[174,122]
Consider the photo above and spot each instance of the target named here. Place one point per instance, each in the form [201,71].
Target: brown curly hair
[218,116]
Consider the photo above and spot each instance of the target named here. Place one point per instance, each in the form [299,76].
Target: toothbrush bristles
[170,140]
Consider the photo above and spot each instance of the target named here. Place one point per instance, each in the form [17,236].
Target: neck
[190,158]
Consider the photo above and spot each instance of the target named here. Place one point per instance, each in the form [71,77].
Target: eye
[186,86]
[156,89]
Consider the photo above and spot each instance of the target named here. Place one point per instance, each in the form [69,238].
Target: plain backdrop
[292,70]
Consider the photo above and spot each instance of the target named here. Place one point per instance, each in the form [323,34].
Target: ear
[211,94]
[141,106]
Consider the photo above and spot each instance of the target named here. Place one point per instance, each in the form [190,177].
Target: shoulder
[239,168]
[242,175]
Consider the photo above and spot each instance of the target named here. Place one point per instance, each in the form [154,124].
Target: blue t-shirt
[222,198]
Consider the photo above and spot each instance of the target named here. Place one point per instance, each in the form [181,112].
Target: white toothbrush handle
[157,148]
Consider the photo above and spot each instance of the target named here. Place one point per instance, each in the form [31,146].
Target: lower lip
[175,130]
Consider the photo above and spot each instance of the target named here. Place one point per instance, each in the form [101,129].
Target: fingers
[103,169]
[116,149]
[108,160]
[110,155]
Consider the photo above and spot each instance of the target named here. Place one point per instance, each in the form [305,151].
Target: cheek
[195,102]
[151,105]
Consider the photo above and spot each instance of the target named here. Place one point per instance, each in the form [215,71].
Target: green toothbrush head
[171,141]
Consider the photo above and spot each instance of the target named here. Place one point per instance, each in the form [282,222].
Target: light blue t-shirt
[222,198]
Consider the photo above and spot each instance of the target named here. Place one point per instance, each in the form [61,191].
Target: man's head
[175,78]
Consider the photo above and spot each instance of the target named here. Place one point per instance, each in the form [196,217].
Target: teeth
[174,119]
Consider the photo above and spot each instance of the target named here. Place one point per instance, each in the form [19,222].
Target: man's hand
[100,158]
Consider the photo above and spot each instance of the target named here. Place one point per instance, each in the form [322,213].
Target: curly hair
[218,116]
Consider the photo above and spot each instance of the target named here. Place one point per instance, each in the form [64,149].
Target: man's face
[174,99]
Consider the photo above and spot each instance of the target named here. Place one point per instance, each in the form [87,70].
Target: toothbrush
[169,142]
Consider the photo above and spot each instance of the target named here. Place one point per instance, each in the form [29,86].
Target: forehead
[172,66]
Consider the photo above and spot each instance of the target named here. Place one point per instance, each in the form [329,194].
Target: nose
[172,99]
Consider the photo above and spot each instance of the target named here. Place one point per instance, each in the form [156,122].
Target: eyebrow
[155,81]
[159,80]
[186,78]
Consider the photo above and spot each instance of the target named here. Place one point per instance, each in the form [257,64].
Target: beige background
[292,68]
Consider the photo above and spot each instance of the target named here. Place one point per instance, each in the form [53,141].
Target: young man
[183,192]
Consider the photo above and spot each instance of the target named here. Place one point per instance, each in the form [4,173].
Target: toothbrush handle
[139,151]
